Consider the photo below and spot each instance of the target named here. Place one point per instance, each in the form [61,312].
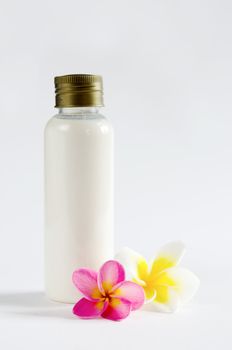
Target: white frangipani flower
[166,285]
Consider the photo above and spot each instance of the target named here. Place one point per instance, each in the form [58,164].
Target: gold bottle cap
[79,90]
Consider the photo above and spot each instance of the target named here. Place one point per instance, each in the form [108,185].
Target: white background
[167,69]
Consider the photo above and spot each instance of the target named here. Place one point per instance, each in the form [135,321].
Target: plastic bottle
[78,184]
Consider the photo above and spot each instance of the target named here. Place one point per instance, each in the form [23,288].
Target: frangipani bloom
[106,293]
[166,285]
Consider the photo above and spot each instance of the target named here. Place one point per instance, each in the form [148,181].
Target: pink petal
[86,281]
[117,309]
[131,292]
[110,274]
[85,308]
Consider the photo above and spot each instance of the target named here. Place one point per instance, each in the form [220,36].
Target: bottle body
[78,197]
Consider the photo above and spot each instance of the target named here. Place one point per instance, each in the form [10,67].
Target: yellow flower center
[156,281]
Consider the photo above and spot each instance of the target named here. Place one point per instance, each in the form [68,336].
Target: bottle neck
[78,110]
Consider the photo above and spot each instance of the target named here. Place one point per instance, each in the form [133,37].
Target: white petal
[186,282]
[151,297]
[130,260]
[172,305]
[173,251]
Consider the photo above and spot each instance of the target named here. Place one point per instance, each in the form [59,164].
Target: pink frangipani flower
[106,293]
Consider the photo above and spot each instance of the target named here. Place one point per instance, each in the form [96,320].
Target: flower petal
[174,287]
[136,266]
[171,303]
[168,256]
[85,308]
[186,283]
[131,292]
[150,294]
[86,281]
[117,309]
[110,274]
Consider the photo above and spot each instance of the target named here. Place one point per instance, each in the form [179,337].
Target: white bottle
[78,185]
